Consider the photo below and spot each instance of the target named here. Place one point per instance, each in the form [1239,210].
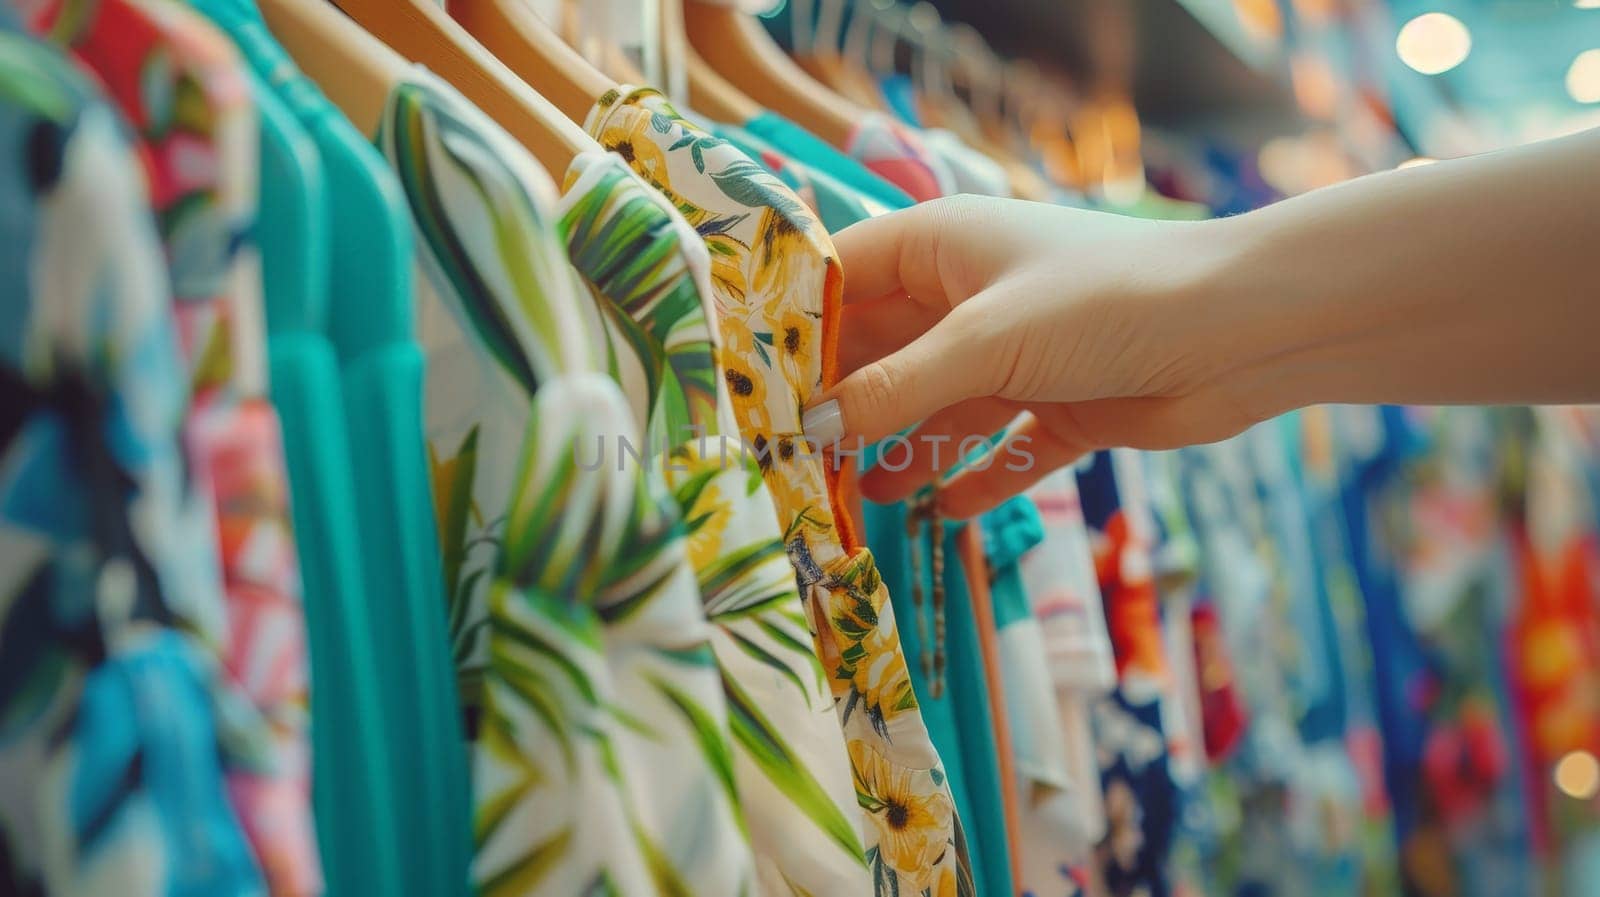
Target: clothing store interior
[405,493]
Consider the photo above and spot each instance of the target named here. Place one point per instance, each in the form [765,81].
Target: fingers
[1059,434]
[870,330]
[951,362]
[912,251]
[1023,457]
[935,447]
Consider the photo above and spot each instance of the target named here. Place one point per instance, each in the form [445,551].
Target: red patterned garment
[895,153]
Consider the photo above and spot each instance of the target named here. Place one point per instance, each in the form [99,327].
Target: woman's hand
[1468,281]
[964,313]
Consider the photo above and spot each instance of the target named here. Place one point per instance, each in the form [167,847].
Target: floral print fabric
[113,40]
[1354,762]
[1238,637]
[1467,830]
[108,741]
[553,810]
[651,274]
[836,203]
[775,279]
[526,534]
[658,640]
[1559,557]
[496,318]
[180,84]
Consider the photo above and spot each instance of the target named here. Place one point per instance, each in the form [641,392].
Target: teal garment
[803,146]
[885,534]
[350,768]
[380,367]
[959,717]
[901,95]
[967,689]
[838,204]
[1009,531]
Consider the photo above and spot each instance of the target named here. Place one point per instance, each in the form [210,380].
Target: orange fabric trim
[977,569]
[832,308]
[841,474]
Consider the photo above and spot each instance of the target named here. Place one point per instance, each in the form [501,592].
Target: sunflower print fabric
[181,86]
[773,277]
[837,204]
[528,535]
[650,272]
[109,775]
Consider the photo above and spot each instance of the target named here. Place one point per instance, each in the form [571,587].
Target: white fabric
[973,171]
[1063,591]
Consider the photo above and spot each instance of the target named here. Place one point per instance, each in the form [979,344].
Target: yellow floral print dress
[650,273]
[775,279]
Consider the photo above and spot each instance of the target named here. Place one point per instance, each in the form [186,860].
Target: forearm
[1471,281]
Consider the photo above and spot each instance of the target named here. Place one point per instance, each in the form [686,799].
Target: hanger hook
[858,37]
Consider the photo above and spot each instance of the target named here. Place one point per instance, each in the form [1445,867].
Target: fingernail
[823,423]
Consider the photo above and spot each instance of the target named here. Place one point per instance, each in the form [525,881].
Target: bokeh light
[1583,78]
[1578,775]
[1433,43]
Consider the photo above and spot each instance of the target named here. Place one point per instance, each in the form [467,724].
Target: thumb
[936,370]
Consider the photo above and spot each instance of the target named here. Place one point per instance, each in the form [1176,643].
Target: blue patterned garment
[1130,736]
[110,754]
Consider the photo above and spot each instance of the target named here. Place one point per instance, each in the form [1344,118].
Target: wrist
[1234,327]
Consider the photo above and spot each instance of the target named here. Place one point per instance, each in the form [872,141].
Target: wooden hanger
[616,66]
[869,53]
[930,60]
[803,28]
[850,61]
[816,43]
[735,45]
[939,54]
[420,30]
[354,69]
[514,33]
[963,52]
[709,93]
